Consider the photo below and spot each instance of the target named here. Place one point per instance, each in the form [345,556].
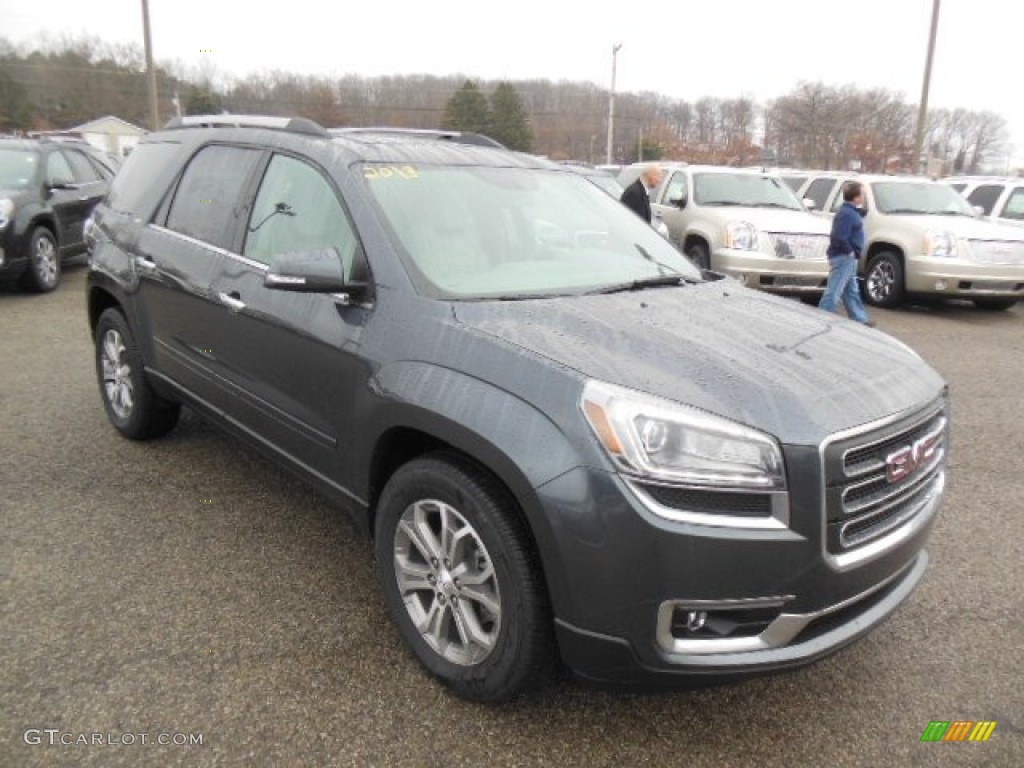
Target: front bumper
[628,568]
[959,278]
[767,272]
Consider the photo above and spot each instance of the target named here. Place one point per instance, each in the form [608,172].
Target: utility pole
[922,114]
[611,106]
[154,111]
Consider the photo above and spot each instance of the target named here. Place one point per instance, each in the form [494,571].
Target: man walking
[844,250]
[636,196]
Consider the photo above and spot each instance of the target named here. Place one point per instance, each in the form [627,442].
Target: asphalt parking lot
[188,587]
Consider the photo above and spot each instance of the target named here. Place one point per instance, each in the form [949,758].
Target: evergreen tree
[509,122]
[202,100]
[467,110]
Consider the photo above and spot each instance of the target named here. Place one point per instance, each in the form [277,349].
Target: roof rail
[290,124]
[457,137]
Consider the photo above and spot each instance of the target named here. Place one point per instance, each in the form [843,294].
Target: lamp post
[611,106]
[922,114]
[154,112]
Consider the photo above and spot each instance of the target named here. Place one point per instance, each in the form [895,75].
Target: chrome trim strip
[895,521]
[777,634]
[777,521]
[215,248]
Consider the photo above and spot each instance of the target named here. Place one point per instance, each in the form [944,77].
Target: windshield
[748,190]
[473,233]
[919,198]
[18,168]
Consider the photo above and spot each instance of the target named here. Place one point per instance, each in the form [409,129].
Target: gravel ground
[188,587]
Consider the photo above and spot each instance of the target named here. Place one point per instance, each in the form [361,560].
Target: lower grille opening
[703,623]
[830,621]
[710,502]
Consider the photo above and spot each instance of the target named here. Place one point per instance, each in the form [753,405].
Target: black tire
[142,415]
[42,273]
[995,305]
[698,253]
[521,650]
[883,281]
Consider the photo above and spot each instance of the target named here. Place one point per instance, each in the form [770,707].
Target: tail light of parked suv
[663,441]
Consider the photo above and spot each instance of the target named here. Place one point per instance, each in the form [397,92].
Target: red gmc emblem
[901,464]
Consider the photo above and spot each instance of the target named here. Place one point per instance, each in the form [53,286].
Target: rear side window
[986,196]
[959,187]
[135,189]
[819,190]
[206,203]
[58,171]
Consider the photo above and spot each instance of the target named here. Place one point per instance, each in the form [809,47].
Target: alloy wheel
[447,582]
[117,375]
[881,281]
[45,261]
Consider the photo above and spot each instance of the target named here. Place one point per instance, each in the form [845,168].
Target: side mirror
[51,185]
[978,211]
[678,202]
[809,204]
[318,271]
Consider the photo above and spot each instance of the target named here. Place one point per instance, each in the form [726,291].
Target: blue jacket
[847,232]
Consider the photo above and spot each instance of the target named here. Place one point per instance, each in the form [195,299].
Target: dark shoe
[869,323]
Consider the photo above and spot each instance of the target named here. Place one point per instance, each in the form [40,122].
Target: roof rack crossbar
[291,124]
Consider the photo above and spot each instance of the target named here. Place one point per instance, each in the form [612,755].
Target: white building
[109,134]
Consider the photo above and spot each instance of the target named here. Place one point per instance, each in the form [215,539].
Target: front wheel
[699,255]
[883,283]
[995,305]
[135,410]
[461,579]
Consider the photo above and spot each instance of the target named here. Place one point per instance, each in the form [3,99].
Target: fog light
[941,285]
[695,620]
[742,279]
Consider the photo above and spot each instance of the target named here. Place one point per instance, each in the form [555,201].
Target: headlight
[6,211]
[741,235]
[939,243]
[661,440]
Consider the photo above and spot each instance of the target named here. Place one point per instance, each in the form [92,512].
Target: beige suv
[925,239]
[744,223]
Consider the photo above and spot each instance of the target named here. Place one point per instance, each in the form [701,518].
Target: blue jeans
[842,284]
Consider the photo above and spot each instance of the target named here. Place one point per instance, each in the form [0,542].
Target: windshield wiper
[723,202]
[772,205]
[659,281]
[911,211]
[954,213]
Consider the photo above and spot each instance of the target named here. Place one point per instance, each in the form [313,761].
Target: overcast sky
[683,48]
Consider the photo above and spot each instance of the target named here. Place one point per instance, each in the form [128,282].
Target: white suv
[744,223]
[1001,199]
[925,239]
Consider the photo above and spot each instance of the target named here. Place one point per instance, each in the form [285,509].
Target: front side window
[484,232]
[819,190]
[747,190]
[18,168]
[206,203]
[675,189]
[81,167]
[985,197]
[58,170]
[919,198]
[296,209]
[1014,208]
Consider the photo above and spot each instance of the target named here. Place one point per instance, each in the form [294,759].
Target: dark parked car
[47,191]
[564,441]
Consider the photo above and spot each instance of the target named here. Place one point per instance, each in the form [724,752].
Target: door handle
[143,263]
[231,301]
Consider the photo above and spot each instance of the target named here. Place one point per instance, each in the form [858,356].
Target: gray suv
[564,441]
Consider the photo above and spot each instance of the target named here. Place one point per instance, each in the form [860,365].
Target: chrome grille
[799,247]
[997,251]
[877,482]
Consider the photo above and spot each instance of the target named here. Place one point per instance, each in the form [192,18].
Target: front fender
[509,436]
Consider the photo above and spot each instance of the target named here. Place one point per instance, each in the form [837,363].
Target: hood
[966,228]
[792,371]
[773,219]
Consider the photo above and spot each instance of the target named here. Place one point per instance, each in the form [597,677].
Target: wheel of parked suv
[883,284]
[43,271]
[995,305]
[131,404]
[698,254]
[461,579]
